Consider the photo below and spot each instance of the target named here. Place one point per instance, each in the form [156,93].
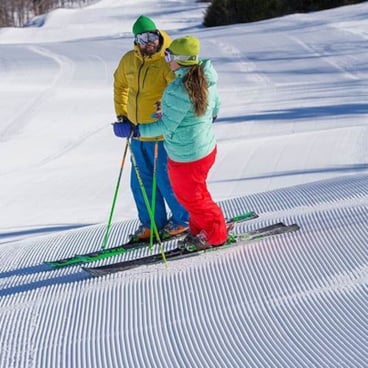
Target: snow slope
[292,146]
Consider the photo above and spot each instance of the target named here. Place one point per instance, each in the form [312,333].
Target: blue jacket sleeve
[151,130]
[175,109]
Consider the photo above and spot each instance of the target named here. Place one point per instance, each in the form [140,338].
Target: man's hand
[123,129]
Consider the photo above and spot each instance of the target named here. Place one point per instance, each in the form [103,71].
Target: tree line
[223,12]
[17,13]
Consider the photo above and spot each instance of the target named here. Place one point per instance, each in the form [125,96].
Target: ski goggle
[169,57]
[144,38]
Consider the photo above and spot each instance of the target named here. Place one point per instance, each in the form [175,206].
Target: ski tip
[58,264]
[293,227]
[245,216]
[91,271]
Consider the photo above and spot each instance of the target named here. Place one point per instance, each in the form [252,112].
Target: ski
[178,253]
[130,245]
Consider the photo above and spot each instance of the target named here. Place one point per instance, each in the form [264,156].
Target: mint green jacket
[187,137]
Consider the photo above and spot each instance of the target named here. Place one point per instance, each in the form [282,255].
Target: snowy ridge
[294,300]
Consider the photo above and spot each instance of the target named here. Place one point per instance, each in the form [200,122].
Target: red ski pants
[188,181]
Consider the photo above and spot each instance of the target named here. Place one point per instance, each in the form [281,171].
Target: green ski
[130,245]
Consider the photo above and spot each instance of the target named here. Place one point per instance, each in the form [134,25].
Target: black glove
[214,118]
[122,119]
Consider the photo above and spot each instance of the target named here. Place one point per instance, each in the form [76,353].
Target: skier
[139,82]
[190,105]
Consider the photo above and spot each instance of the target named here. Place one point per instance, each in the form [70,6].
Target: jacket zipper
[139,87]
[137,95]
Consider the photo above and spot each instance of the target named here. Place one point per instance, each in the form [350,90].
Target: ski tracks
[337,55]
[246,73]
[64,73]
[60,79]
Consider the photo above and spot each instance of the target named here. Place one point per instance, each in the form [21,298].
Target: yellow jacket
[139,83]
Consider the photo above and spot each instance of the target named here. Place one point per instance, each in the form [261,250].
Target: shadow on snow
[301,113]
[32,285]
[337,169]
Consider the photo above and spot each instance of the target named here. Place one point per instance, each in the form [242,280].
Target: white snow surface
[292,146]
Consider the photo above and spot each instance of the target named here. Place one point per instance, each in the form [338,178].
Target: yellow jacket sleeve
[121,89]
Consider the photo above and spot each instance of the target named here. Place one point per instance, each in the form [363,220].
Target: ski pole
[154,188]
[107,232]
[146,201]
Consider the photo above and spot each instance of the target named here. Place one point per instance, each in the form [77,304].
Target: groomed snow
[292,142]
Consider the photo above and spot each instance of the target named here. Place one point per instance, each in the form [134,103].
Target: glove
[135,129]
[125,129]
[214,118]
[122,129]
[122,118]
[156,115]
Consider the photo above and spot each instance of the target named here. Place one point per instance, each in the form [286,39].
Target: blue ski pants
[144,156]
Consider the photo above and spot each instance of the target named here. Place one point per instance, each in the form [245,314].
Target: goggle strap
[185,57]
[172,57]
